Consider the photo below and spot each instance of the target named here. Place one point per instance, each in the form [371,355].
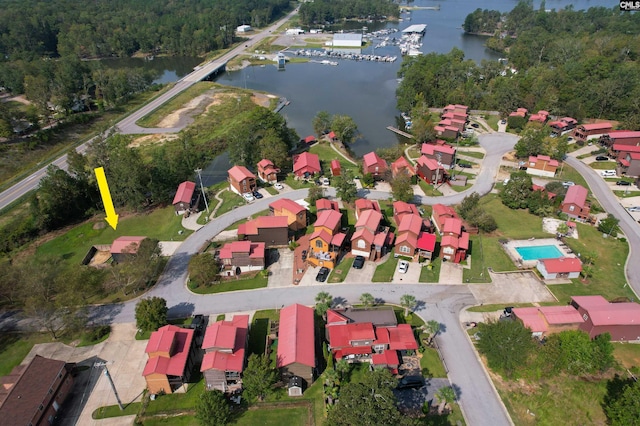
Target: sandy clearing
[154,139]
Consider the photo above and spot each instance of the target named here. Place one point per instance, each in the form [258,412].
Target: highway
[128,125]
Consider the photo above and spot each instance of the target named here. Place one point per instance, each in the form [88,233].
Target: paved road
[128,126]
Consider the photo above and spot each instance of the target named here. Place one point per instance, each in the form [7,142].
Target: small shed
[335,168]
[296,386]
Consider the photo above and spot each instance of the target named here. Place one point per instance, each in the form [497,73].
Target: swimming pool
[539,252]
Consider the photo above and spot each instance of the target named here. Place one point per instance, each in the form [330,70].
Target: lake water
[167,68]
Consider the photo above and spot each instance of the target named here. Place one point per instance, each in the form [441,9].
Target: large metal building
[347,40]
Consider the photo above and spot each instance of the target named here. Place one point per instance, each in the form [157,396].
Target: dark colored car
[465,165]
[358,263]
[197,323]
[475,125]
[602,158]
[258,195]
[411,382]
[322,275]
[623,183]
[304,255]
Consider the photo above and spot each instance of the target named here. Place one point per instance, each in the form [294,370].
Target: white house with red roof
[225,344]
[575,203]
[242,256]
[241,180]
[170,359]
[372,163]
[363,335]
[296,353]
[620,320]
[267,171]
[184,199]
[306,165]
[545,320]
[561,267]
[542,165]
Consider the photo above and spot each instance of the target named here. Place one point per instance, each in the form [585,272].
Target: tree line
[323,11]
[583,64]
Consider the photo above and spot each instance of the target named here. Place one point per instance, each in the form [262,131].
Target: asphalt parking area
[512,287]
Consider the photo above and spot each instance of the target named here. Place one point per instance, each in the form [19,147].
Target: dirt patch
[155,139]
[193,107]
[262,99]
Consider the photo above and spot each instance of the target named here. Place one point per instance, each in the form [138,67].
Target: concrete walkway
[191,222]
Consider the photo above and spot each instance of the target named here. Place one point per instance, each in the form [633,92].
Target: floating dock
[400,132]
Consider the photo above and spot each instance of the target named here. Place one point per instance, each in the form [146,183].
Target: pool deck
[510,248]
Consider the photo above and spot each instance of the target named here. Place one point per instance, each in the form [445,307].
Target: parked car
[475,125]
[623,183]
[304,255]
[403,266]
[258,195]
[465,165]
[602,158]
[634,209]
[248,196]
[278,186]
[197,322]
[567,183]
[411,382]
[503,121]
[322,274]
[358,263]
[324,181]
[608,173]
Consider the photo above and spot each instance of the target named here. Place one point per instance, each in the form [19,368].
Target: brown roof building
[32,394]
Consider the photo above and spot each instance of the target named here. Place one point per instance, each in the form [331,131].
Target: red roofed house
[620,320]
[326,240]
[455,115]
[461,109]
[124,248]
[225,344]
[446,129]
[620,151]
[621,137]
[542,165]
[400,208]
[630,164]
[184,199]
[541,117]
[241,180]
[563,125]
[324,204]
[545,320]
[562,267]
[306,165]
[591,131]
[362,205]
[332,136]
[271,230]
[455,242]
[550,195]
[408,231]
[362,335]
[267,172]
[426,246]
[430,170]
[440,213]
[575,203]
[171,359]
[242,256]
[32,394]
[370,239]
[372,163]
[443,154]
[296,355]
[295,213]
[402,166]
[336,168]
[309,140]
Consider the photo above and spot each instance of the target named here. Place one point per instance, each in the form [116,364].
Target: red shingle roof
[401,208]
[184,192]
[306,162]
[369,219]
[126,245]
[240,173]
[576,194]
[410,239]
[364,204]
[597,126]
[287,204]
[329,218]
[363,233]
[626,148]
[371,159]
[229,335]
[324,204]
[168,338]
[452,226]
[223,361]
[410,223]
[255,250]
[562,265]
[296,338]
[624,134]
[427,241]
[322,234]
[429,163]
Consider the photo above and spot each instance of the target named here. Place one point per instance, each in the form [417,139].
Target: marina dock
[400,132]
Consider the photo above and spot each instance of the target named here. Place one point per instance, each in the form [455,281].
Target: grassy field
[428,189]
[569,173]
[176,103]
[515,224]
[260,328]
[326,154]
[384,272]
[15,346]
[340,272]
[492,121]
[230,200]
[72,246]
[626,194]
[474,154]
[257,281]
[627,354]
[603,165]
[431,275]
[431,361]
[274,416]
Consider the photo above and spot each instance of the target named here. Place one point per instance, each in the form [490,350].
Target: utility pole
[113,386]
[198,171]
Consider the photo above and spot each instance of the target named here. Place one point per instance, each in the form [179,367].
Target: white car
[568,183]
[634,209]
[403,266]
[247,196]
[608,173]
[324,181]
[278,186]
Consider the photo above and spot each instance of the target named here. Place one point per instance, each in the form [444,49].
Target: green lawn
[515,224]
[72,246]
[384,272]
[176,103]
[115,411]
[257,281]
[569,173]
[604,165]
[271,190]
[474,154]
[185,420]
[176,402]
[626,194]
[260,328]
[15,346]
[492,121]
[431,361]
[431,275]
[274,416]
[627,354]
[297,184]
[428,189]
[230,200]
[478,272]
[340,272]
[326,154]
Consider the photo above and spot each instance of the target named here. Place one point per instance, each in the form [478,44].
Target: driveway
[363,275]
[451,273]
[512,287]
[411,276]
[281,272]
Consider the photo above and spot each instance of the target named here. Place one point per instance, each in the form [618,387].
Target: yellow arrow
[112,217]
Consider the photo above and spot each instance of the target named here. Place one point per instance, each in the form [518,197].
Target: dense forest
[578,63]
[322,11]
